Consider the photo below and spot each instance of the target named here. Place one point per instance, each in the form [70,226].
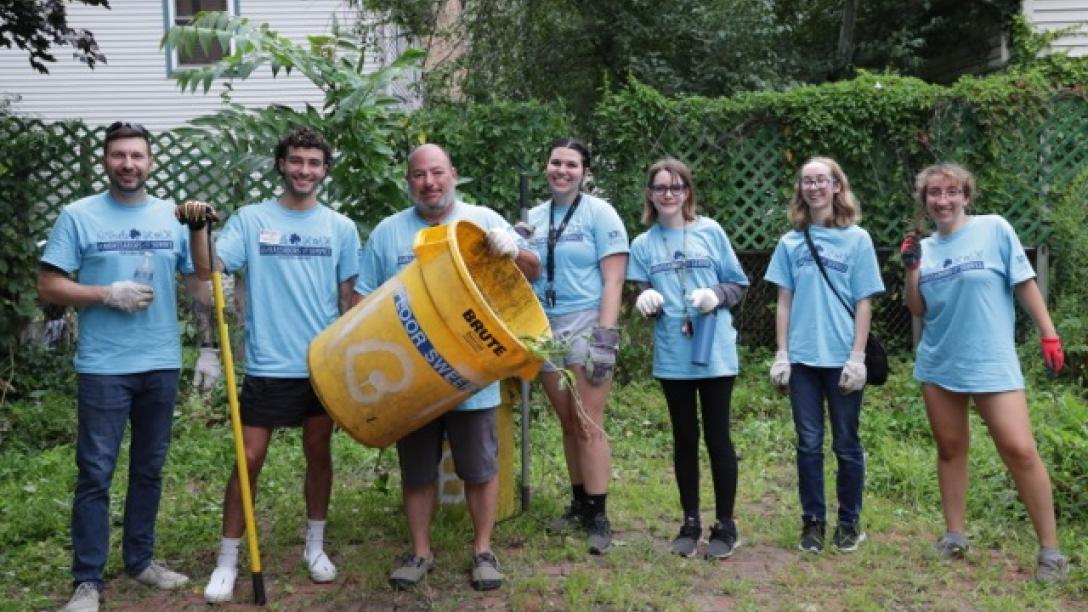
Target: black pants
[714,396]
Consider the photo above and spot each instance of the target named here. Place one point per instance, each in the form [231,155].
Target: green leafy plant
[359,117]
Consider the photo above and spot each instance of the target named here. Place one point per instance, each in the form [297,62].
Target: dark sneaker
[1051,568]
[847,537]
[952,546]
[723,540]
[687,541]
[600,535]
[812,536]
[410,571]
[571,519]
[485,572]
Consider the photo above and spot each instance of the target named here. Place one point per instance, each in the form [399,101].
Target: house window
[184,10]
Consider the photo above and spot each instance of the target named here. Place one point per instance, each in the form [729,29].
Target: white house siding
[134,85]
[1049,15]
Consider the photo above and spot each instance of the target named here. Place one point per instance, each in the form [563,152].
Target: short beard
[128,190]
[289,187]
[439,208]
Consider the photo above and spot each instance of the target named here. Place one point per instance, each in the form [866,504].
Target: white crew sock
[315,538]
[228,552]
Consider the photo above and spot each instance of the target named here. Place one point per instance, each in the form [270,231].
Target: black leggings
[714,395]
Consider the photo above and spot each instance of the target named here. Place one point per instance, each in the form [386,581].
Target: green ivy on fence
[1021,132]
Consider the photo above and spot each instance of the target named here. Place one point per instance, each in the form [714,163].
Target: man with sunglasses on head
[125,248]
[300,258]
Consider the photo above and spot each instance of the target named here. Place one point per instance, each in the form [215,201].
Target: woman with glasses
[689,277]
[821,266]
[961,281]
[583,245]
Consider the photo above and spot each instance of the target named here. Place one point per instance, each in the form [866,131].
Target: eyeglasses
[819,181]
[936,192]
[661,190]
[125,125]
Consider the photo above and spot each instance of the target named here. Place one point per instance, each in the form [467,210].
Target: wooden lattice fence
[744,174]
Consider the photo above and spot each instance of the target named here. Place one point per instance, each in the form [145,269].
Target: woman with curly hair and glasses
[961,281]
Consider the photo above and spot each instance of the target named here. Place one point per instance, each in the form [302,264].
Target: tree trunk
[846,39]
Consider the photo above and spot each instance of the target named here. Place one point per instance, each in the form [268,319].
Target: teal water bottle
[703,340]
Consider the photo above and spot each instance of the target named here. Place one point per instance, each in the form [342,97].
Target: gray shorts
[572,331]
[473,443]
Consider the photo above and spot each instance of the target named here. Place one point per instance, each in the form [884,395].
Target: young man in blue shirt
[300,258]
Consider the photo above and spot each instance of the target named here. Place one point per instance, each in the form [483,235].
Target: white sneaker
[220,588]
[321,568]
[156,575]
[84,599]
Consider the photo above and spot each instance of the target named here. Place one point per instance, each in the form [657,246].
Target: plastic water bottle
[703,339]
[145,272]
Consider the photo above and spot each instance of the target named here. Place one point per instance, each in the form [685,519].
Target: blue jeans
[808,388]
[106,403]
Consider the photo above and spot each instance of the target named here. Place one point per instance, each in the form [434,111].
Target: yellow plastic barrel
[445,327]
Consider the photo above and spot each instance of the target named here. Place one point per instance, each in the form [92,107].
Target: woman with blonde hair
[689,277]
[961,281]
[825,263]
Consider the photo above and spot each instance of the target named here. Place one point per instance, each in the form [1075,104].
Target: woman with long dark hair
[583,246]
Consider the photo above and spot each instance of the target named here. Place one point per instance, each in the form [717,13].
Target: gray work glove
[604,345]
[129,296]
[780,371]
[208,370]
[524,230]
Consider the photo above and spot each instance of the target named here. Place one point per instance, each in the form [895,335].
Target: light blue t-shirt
[594,232]
[389,250]
[675,261]
[967,281]
[105,240]
[821,331]
[294,262]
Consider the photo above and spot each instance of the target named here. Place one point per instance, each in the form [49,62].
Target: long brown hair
[845,209]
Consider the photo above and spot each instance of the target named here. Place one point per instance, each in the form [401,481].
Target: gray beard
[436,211]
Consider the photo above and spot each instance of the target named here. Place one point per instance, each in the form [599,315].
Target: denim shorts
[473,444]
[278,402]
[572,332]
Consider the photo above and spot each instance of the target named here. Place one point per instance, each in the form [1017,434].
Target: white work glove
[853,373]
[501,243]
[129,296]
[780,370]
[207,371]
[704,299]
[649,302]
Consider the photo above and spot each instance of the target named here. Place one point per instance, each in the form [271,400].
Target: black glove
[195,214]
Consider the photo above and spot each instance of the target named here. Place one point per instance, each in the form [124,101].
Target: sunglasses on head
[125,125]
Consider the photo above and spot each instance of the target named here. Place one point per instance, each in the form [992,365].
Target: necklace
[679,261]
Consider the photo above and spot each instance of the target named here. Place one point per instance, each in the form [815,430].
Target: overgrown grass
[894,569]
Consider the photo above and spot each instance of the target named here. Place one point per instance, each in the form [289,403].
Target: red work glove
[911,251]
[1053,356]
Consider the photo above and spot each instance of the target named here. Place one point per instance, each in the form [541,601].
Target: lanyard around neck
[556,233]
